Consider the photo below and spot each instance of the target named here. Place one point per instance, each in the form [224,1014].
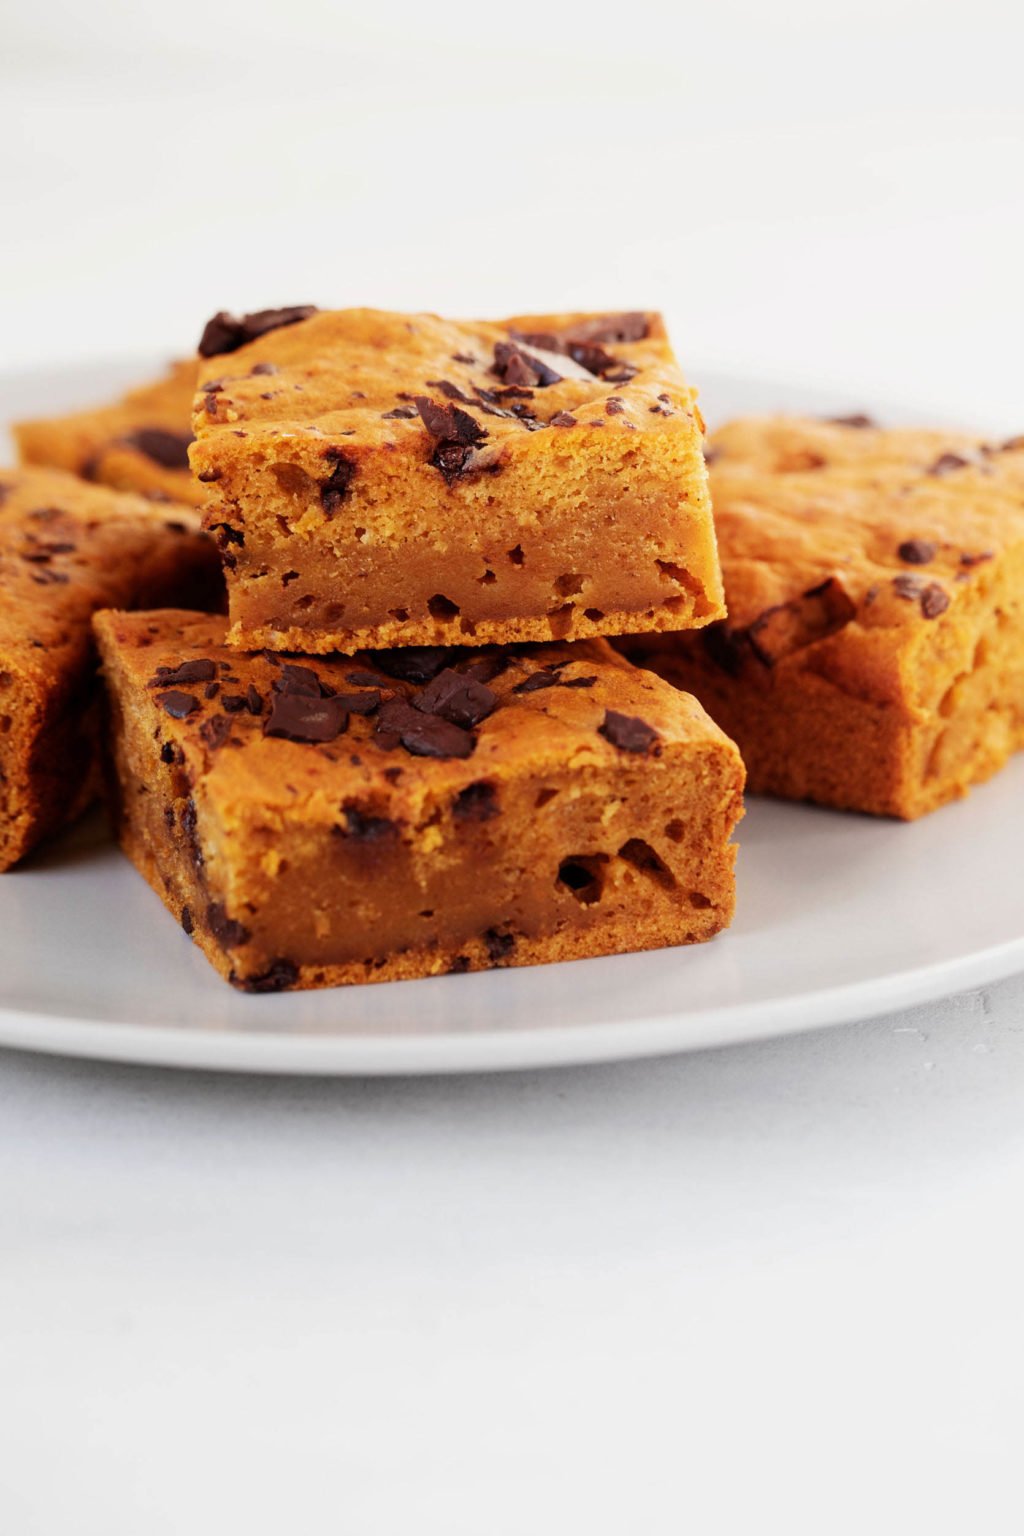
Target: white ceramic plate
[839,917]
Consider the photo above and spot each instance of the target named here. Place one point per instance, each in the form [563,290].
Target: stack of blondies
[409,749]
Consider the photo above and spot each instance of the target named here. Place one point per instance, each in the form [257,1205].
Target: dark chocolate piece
[413,663]
[168,449]
[934,600]
[300,717]
[946,463]
[917,551]
[458,698]
[627,732]
[199,671]
[228,932]
[335,488]
[280,976]
[521,369]
[226,332]
[177,704]
[423,735]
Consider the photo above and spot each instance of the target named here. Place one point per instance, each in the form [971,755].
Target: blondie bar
[138,443]
[383,479]
[418,811]
[66,549]
[873,657]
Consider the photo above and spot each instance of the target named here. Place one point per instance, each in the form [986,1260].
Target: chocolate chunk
[199,671]
[364,828]
[449,390]
[186,920]
[226,332]
[909,587]
[614,406]
[168,449]
[253,700]
[293,679]
[211,690]
[234,703]
[423,735]
[413,663]
[546,678]
[577,682]
[457,433]
[485,668]
[177,704]
[228,932]
[168,753]
[620,375]
[300,717]
[448,424]
[521,369]
[858,422]
[934,600]
[208,476]
[263,368]
[281,975]
[969,559]
[335,488]
[477,802]
[917,551]
[359,703]
[562,419]
[190,827]
[400,413]
[499,945]
[215,731]
[627,732]
[946,463]
[819,612]
[361,679]
[458,698]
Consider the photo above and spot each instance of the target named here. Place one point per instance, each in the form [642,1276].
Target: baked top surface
[68,548]
[149,425]
[564,722]
[900,520]
[357,374]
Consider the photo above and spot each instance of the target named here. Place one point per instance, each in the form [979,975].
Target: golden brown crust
[66,549]
[137,443]
[591,813]
[390,480]
[873,656]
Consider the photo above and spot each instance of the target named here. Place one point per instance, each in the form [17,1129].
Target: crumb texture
[416,812]
[381,480]
[137,443]
[67,549]
[873,656]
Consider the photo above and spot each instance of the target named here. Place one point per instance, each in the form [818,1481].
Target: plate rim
[268,1051]
[503,1050]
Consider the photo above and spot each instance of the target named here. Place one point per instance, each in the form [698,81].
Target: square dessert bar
[138,443]
[873,657]
[414,812]
[66,549]
[385,479]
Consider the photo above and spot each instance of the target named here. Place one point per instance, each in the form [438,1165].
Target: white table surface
[776,1287]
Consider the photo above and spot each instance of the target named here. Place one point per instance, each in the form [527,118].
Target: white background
[772,1288]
